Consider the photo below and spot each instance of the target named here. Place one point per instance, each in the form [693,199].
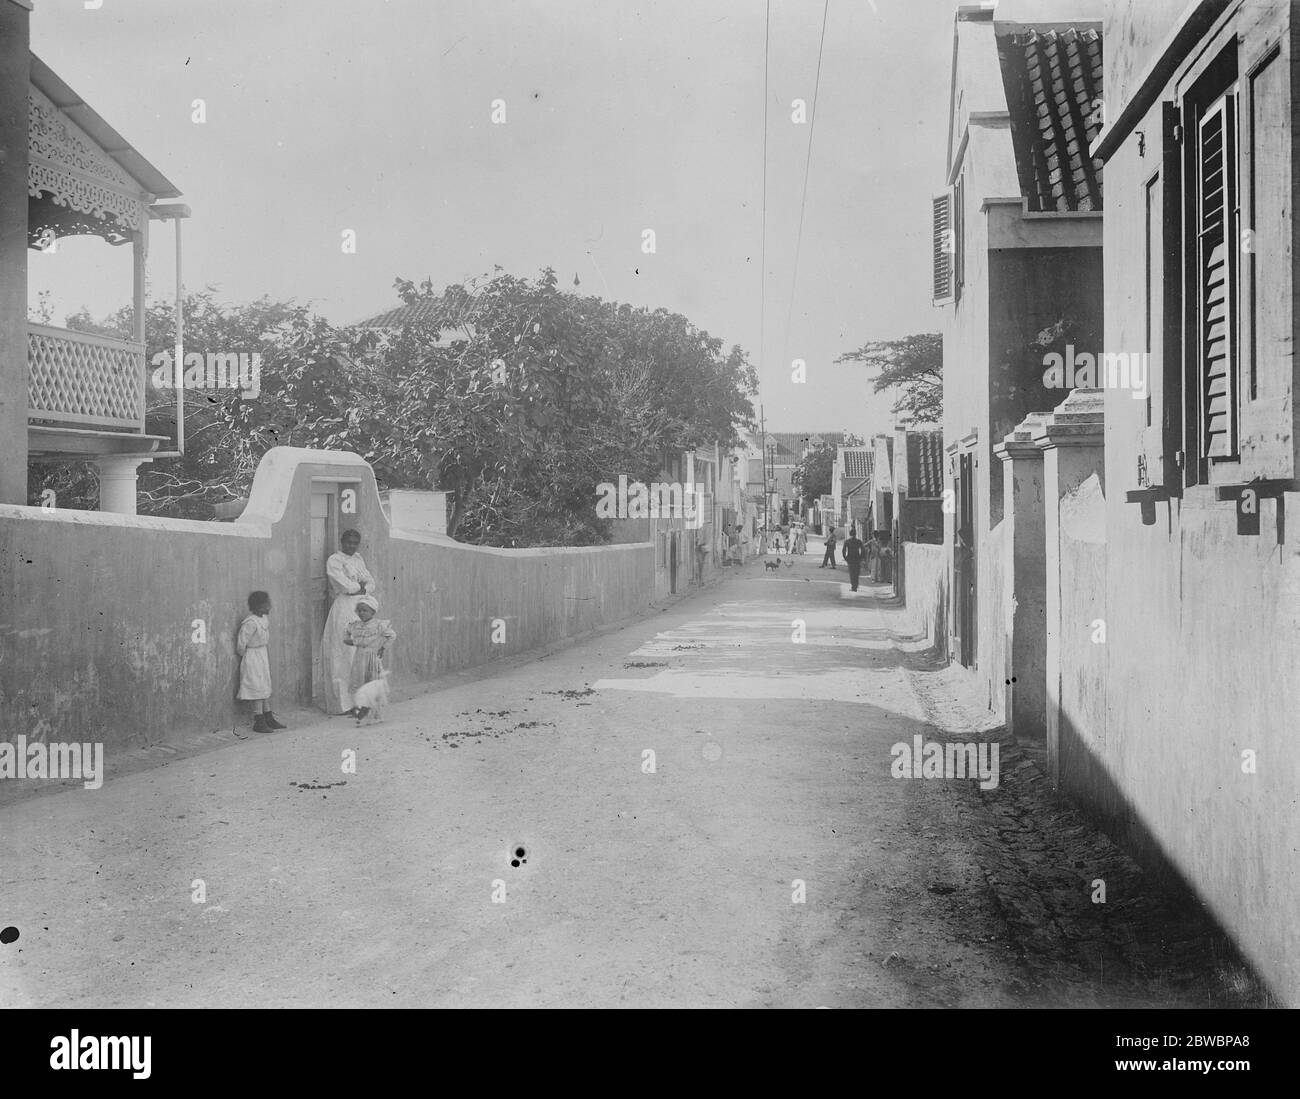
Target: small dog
[371,698]
[771,566]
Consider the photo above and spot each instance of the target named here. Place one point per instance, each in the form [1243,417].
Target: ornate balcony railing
[77,378]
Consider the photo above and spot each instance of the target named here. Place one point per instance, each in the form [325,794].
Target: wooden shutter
[959,237]
[1216,167]
[944,246]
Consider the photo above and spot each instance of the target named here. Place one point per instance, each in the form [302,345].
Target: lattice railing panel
[79,378]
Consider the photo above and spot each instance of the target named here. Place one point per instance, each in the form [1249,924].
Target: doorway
[324,540]
[964,562]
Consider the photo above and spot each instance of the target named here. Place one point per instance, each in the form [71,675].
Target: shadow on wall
[121,629]
[1086,782]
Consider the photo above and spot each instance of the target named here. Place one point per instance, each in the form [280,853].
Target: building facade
[1017,277]
[1193,761]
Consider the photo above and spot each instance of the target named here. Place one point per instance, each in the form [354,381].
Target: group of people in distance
[788,538]
[352,647]
[855,552]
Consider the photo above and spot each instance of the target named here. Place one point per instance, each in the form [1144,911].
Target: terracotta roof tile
[1053,81]
[858,461]
[924,464]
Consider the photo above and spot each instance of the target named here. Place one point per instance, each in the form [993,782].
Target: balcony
[85,395]
[77,378]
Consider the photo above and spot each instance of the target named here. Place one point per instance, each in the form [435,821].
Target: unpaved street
[677,887]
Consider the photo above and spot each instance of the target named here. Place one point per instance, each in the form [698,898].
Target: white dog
[371,698]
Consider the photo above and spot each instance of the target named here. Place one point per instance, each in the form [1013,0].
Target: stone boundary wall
[121,629]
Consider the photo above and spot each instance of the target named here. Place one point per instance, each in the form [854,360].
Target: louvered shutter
[1216,167]
[944,246]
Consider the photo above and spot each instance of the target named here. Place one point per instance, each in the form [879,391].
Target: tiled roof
[1053,81]
[425,311]
[858,462]
[790,445]
[924,464]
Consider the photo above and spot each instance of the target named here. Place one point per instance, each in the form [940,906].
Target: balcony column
[117,476]
[15,79]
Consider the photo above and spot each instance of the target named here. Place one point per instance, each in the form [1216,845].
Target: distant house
[64,171]
[775,466]
[852,480]
[918,485]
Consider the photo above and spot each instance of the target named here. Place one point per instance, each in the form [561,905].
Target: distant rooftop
[858,462]
[924,464]
[790,445]
[425,311]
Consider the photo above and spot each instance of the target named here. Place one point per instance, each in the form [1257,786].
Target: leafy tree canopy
[914,366]
[813,475]
[519,398]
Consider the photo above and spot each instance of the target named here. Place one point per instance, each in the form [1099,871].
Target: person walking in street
[854,551]
[254,664]
[349,579]
[828,558]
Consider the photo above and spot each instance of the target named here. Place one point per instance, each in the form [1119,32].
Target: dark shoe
[260,725]
[271,721]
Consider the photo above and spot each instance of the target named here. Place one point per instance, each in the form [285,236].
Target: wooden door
[964,563]
[324,541]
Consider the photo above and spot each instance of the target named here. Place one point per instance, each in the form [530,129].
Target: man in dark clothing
[854,552]
[828,558]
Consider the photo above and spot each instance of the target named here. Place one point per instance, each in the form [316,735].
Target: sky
[375,116]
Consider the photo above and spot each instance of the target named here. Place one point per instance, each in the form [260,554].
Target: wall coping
[1019,441]
[1079,420]
[138,522]
[274,477]
[268,500]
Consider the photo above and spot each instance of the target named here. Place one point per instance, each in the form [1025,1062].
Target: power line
[812,123]
[762,261]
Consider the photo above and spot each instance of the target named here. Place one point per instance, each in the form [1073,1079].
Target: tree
[527,397]
[813,475]
[518,398]
[914,366]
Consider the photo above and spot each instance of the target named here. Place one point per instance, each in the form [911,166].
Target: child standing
[369,636]
[254,664]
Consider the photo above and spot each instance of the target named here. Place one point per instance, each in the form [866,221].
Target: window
[944,248]
[1215,303]
[1200,389]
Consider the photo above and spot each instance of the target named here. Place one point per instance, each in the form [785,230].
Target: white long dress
[345,574]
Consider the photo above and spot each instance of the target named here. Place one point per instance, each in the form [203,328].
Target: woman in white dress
[349,579]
